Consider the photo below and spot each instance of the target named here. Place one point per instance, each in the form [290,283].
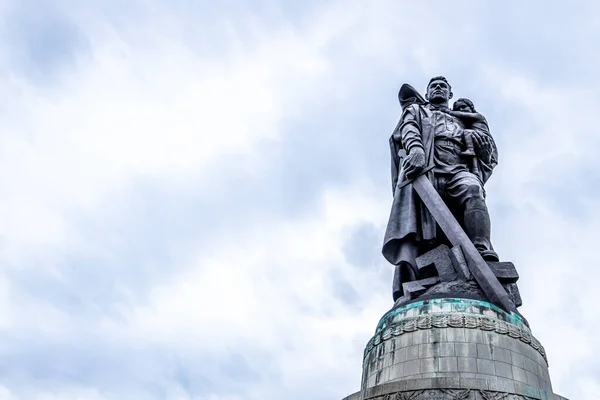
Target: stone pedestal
[454,349]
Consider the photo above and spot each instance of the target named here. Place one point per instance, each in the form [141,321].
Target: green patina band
[450,305]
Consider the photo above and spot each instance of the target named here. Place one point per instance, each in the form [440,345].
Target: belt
[449,142]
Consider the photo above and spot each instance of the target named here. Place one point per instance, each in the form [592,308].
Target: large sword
[457,236]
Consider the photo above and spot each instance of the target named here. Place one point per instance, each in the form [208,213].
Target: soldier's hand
[414,163]
[483,146]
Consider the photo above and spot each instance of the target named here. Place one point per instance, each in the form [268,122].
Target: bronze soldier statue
[457,153]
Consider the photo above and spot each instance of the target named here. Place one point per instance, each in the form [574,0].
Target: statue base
[453,348]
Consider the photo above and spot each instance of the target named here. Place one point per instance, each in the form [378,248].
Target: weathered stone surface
[460,263]
[461,341]
[467,364]
[504,271]
[459,288]
[437,262]
[416,288]
[466,349]
[444,388]
[513,292]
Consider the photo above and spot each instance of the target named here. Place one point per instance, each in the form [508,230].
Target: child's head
[464,105]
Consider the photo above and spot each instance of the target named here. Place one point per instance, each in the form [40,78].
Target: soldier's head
[439,90]
[464,105]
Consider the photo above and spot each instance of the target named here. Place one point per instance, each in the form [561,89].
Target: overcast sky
[193,194]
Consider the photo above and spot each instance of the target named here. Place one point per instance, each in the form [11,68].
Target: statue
[456,152]
[454,331]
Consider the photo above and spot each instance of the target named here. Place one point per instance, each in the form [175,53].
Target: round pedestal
[454,349]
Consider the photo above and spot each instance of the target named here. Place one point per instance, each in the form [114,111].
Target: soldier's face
[438,91]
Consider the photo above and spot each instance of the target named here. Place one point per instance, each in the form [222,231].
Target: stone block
[485,367]
[460,263]
[412,367]
[522,348]
[446,381]
[448,364]
[396,371]
[418,384]
[474,383]
[531,365]
[445,375]
[545,384]
[467,364]
[500,384]
[382,376]
[426,350]
[412,353]
[445,349]
[525,389]
[519,374]
[388,359]
[379,350]
[540,359]
[397,386]
[416,288]
[456,335]
[428,365]
[504,271]
[400,355]
[532,379]
[518,360]
[500,354]
[474,336]
[437,262]
[506,342]
[420,337]
[546,374]
[404,341]
[513,291]
[491,338]
[465,349]
[371,381]
[484,351]
[437,336]
[503,370]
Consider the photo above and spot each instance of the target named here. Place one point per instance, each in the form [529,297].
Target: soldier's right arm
[410,129]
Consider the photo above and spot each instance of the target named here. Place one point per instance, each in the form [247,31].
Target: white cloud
[147,102]
[268,288]
[130,109]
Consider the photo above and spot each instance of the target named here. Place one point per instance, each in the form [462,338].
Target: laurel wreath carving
[493,395]
[455,321]
[457,394]
[450,394]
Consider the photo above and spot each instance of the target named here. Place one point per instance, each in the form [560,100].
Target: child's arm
[467,116]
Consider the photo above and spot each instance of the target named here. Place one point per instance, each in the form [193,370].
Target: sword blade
[457,236]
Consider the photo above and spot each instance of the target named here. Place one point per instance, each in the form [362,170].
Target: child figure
[464,110]
[474,122]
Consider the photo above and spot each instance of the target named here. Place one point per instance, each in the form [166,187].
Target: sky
[193,194]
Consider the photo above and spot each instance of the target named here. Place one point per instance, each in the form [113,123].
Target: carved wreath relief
[451,394]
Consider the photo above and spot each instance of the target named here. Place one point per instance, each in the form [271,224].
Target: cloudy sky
[193,194]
